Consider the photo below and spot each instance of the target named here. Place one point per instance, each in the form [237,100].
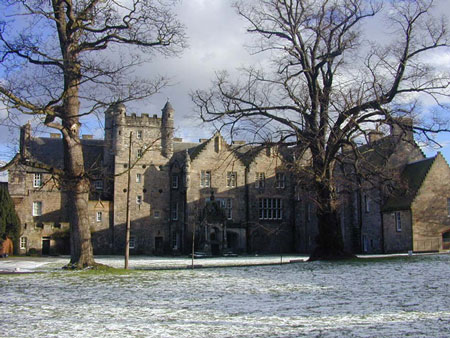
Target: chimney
[375,135]
[238,143]
[87,137]
[25,137]
[201,140]
[177,139]
[402,127]
[55,135]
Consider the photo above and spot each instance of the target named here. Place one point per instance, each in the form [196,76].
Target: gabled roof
[413,176]
[50,151]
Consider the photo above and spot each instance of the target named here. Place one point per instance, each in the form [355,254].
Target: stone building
[401,202]
[223,197]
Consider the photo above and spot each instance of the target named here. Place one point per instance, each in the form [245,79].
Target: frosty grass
[389,297]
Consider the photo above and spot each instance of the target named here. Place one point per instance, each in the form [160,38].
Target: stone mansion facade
[262,210]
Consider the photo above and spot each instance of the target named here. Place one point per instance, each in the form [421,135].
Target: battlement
[144,120]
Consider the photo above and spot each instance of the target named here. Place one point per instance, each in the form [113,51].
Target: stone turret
[167,127]
[114,117]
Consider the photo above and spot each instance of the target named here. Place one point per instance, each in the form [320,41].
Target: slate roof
[413,176]
[50,151]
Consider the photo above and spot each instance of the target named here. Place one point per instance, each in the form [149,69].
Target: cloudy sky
[217,40]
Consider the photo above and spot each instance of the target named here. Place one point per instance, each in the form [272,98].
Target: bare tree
[327,84]
[63,59]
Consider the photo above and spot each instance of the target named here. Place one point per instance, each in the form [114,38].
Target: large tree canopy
[63,59]
[329,81]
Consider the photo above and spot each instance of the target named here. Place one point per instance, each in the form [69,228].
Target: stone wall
[430,211]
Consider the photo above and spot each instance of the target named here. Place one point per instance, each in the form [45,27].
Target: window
[156,214]
[139,153]
[98,185]
[174,181]
[280,180]
[23,242]
[174,240]
[205,179]
[37,180]
[139,199]
[366,203]
[175,211]
[231,179]
[229,208]
[138,178]
[139,134]
[270,208]
[99,216]
[448,207]
[132,242]
[398,221]
[260,180]
[37,208]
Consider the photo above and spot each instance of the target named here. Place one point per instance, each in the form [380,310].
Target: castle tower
[167,127]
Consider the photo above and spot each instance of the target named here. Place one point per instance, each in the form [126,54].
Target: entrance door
[158,245]
[46,245]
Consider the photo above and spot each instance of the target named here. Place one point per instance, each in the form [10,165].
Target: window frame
[229,208]
[174,212]
[132,242]
[280,180]
[231,179]
[366,203]
[37,211]
[23,243]
[205,179]
[37,180]
[175,180]
[260,180]
[398,221]
[270,209]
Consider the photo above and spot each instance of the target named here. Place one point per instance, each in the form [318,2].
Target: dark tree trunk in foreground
[53,56]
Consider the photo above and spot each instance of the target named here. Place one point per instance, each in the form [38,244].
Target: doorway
[45,245]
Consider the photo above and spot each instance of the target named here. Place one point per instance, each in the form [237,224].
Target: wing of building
[225,197]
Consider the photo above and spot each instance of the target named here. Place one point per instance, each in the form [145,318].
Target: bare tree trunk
[329,241]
